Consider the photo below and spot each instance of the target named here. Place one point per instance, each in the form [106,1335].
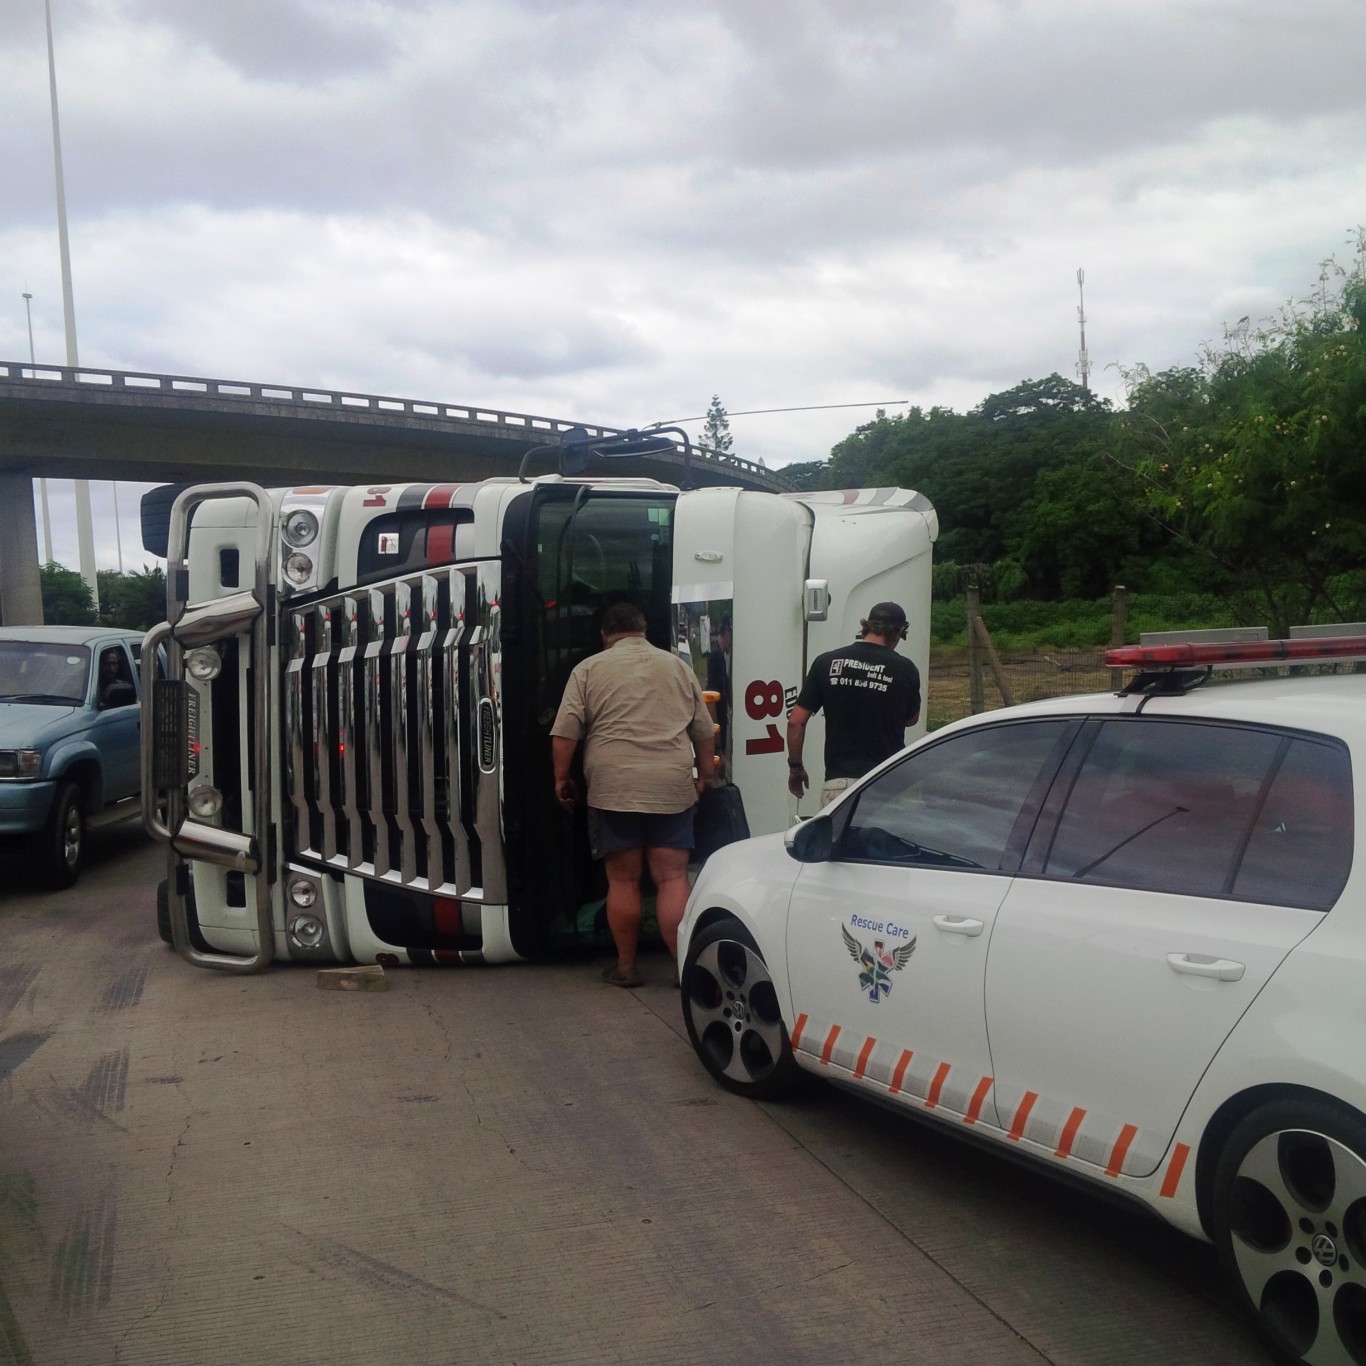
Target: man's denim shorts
[609,832]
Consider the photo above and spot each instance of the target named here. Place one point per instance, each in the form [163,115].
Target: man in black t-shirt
[869,694]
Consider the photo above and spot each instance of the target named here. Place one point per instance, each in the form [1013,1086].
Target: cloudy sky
[609,210]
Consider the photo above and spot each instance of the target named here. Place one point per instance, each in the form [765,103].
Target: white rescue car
[1122,934]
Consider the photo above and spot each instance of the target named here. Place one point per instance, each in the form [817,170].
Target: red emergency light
[1236,653]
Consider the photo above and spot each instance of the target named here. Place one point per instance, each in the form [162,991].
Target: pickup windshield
[42,672]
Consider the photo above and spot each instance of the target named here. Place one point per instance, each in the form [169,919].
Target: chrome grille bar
[374,735]
[346,732]
[297,729]
[393,742]
[457,741]
[324,741]
[428,759]
[405,865]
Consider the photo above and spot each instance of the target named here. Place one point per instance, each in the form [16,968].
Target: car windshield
[32,671]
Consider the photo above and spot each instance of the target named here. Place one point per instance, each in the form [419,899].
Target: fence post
[997,672]
[1119,611]
[976,702]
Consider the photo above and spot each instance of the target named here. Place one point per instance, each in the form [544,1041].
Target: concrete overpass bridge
[84,423]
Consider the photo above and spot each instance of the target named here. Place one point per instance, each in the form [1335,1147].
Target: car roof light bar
[1241,654]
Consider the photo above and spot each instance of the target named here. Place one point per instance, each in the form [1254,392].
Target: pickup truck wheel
[60,844]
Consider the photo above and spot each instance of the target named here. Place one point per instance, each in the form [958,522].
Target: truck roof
[68,635]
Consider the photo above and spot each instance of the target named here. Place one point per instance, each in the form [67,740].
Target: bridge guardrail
[308,398]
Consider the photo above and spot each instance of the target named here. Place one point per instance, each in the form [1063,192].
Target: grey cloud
[290,40]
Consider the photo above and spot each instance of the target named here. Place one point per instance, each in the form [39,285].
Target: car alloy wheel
[731,1011]
[1290,1219]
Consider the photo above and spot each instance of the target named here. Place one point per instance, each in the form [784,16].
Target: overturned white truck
[349,758]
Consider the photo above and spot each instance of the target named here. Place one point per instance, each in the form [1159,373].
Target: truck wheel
[1290,1224]
[58,847]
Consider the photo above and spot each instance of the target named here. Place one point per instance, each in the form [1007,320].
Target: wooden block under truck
[349,759]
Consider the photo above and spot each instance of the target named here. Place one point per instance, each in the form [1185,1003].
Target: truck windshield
[43,672]
[591,553]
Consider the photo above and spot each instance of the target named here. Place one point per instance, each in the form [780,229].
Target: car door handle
[956,924]
[1199,965]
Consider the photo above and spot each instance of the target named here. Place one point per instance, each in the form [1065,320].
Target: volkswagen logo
[1325,1250]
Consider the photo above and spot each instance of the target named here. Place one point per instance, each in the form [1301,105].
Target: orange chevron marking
[1017,1125]
[1117,1154]
[979,1097]
[1069,1133]
[937,1085]
[903,1062]
[1174,1169]
[863,1057]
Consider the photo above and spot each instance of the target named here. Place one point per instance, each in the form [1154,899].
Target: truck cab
[350,759]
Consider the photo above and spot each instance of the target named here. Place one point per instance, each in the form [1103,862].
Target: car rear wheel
[730,1008]
[58,847]
[1290,1221]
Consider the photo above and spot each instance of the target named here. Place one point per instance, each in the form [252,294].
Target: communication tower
[1083,362]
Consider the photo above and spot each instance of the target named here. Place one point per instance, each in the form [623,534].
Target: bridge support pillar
[21,588]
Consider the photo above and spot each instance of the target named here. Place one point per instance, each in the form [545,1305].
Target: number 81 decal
[763,700]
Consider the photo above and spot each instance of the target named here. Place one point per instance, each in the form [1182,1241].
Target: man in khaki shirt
[639,713]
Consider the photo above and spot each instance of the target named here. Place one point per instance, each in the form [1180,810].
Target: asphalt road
[513,1165]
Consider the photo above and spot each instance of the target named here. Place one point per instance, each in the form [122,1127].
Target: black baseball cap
[890,612]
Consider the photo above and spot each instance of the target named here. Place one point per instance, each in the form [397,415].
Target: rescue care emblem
[878,963]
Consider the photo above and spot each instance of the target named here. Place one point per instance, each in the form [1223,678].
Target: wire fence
[964,682]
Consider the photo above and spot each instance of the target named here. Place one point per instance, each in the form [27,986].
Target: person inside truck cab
[116,679]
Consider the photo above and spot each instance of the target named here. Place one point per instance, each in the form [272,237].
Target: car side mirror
[812,841]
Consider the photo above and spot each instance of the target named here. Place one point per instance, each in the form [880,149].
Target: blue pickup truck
[69,740]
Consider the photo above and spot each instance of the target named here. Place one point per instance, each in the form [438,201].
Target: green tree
[978,468]
[66,597]
[1257,460]
[134,601]
[716,428]
[805,475]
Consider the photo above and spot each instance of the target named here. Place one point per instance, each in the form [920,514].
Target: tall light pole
[85,534]
[42,482]
[28,310]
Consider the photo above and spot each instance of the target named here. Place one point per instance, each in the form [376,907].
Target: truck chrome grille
[379,771]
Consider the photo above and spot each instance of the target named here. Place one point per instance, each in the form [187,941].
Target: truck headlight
[21,763]
[298,569]
[306,930]
[300,527]
[205,802]
[303,892]
[204,664]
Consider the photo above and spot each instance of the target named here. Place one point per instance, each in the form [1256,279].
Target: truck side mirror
[817,594]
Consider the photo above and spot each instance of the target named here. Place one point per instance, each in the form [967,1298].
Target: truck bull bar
[169,737]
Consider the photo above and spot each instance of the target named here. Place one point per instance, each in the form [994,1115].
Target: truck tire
[60,845]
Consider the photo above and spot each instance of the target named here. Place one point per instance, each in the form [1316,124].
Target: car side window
[1189,808]
[1300,849]
[115,682]
[953,804]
